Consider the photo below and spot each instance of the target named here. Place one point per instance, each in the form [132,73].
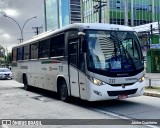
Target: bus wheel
[63,91]
[25,82]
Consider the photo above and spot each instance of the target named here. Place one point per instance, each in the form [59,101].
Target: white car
[5,73]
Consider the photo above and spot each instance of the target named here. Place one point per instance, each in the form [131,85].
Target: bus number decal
[61,68]
[112,81]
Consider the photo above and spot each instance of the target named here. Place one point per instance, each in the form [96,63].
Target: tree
[2,55]
[9,58]
[2,51]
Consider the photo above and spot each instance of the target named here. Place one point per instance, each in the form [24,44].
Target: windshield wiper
[115,51]
[127,54]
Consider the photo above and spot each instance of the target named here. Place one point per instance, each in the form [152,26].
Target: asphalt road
[16,103]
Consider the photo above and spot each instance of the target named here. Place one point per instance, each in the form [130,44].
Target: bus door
[73,67]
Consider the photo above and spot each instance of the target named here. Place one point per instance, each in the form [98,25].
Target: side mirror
[84,46]
[84,42]
[81,34]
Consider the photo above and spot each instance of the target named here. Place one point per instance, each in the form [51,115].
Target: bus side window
[57,46]
[44,47]
[26,52]
[34,50]
[14,55]
[20,53]
[81,62]
[73,48]
[81,58]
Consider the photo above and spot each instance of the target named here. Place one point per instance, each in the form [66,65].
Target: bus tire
[25,82]
[63,91]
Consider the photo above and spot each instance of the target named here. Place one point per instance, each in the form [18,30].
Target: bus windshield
[113,51]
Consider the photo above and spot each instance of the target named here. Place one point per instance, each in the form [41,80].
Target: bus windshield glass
[113,51]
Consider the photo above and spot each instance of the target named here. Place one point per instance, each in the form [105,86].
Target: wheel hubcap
[63,92]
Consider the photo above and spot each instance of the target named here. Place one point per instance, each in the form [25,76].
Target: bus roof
[80,26]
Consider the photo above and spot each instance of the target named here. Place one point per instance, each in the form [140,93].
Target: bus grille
[128,84]
[125,92]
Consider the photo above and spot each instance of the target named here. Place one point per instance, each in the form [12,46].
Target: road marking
[122,117]
[5,126]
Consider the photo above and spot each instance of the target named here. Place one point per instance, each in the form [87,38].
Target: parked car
[5,73]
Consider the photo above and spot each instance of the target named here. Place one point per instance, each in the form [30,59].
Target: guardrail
[152,79]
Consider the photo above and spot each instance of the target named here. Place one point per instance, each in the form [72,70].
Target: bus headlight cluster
[141,79]
[96,81]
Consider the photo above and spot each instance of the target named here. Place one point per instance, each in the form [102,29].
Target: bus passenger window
[26,53]
[14,56]
[44,48]
[57,46]
[73,53]
[20,53]
[34,51]
[81,62]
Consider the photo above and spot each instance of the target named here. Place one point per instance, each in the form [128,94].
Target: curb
[151,94]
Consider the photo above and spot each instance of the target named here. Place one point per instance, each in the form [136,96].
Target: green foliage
[153,88]
[2,55]
[2,51]
[9,58]
[5,59]
[2,59]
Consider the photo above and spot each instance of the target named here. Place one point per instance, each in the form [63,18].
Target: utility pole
[20,40]
[159,25]
[45,15]
[159,28]
[98,8]
[151,27]
[37,29]
[158,31]
[126,12]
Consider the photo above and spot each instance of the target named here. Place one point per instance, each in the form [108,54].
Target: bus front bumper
[108,92]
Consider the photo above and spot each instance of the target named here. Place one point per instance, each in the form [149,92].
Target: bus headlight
[141,79]
[96,81]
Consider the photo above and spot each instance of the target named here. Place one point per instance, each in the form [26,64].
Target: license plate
[122,97]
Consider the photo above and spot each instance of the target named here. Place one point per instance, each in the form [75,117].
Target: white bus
[90,61]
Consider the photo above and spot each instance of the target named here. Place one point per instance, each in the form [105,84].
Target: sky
[21,11]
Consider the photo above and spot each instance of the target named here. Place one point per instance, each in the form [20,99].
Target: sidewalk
[152,81]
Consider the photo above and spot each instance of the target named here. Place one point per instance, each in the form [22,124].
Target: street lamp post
[158,31]
[20,28]
[98,8]
[158,28]
[24,25]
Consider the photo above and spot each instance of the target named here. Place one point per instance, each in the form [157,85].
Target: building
[59,13]
[123,12]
